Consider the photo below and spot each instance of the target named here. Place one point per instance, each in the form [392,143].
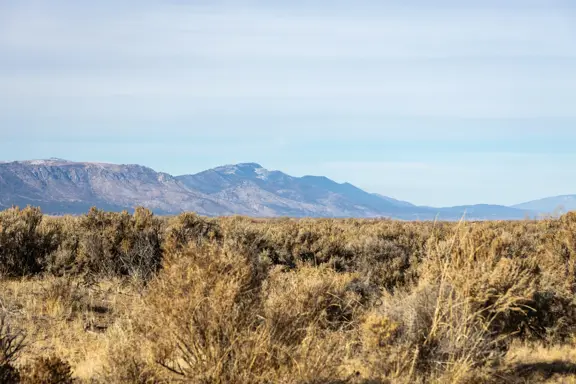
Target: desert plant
[296,299]
[47,370]
[217,327]
[11,345]
[23,245]
[63,296]
[189,227]
[63,259]
[236,299]
[113,244]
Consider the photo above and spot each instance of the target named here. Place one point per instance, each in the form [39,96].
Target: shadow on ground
[538,371]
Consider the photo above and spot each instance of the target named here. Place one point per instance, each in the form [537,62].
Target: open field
[120,298]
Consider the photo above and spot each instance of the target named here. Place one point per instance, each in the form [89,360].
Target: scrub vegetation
[134,298]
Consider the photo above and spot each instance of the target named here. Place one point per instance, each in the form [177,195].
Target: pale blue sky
[435,102]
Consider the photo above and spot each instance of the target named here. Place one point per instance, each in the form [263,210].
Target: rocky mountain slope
[60,186]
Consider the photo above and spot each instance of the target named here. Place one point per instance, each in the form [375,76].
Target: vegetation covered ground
[134,298]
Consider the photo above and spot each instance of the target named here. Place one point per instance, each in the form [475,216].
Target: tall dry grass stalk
[134,298]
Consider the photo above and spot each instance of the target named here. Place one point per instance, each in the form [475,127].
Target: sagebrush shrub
[296,300]
[24,244]
[113,244]
[222,323]
[47,370]
[11,345]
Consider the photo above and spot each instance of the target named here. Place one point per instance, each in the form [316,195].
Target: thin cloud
[345,89]
[377,165]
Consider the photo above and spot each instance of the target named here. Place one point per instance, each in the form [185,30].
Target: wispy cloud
[377,166]
[350,89]
[169,60]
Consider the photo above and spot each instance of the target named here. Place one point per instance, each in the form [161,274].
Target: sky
[435,102]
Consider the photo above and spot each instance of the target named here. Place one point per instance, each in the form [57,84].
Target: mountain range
[557,204]
[65,187]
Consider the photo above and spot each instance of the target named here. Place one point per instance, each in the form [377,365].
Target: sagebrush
[136,298]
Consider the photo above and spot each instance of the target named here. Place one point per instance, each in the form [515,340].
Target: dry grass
[119,298]
[539,363]
[65,318]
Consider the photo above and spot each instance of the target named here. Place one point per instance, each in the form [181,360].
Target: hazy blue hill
[485,212]
[556,204]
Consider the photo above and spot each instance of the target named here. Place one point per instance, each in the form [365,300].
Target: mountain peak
[241,169]
[49,161]
[249,166]
[60,186]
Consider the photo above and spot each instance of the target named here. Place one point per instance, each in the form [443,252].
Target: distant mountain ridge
[555,204]
[60,186]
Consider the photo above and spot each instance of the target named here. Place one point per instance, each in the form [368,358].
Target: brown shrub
[189,227]
[302,301]
[11,344]
[296,299]
[214,328]
[9,374]
[63,259]
[47,370]
[24,244]
[119,244]
[63,297]
[124,363]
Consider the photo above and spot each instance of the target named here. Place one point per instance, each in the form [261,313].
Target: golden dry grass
[138,299]
[65,318]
